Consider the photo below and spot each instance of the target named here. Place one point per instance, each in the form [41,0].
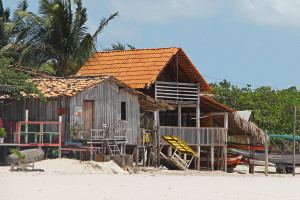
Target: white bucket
[1,140]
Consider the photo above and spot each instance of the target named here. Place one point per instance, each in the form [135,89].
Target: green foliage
[21,157]
[22,87]
[57,36]
[272,109]
[75,130]
[2,133]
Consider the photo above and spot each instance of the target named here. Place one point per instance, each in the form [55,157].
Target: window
[123,111]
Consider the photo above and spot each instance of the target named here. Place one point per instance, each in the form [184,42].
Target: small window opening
[123,111]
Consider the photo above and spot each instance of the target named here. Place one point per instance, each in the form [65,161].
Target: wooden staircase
[113,147]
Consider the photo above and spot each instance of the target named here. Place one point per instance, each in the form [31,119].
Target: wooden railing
[47,133]
[102,134]
[176,91]
[197,136]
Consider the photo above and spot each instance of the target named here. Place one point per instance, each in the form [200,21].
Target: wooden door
[88,115]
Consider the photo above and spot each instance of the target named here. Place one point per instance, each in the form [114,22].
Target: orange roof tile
[139,67]
[55,87]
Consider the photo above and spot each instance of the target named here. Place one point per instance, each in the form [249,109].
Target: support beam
[212,157]
[157,138]
[199,156]
[60,135]
[26,126]
[252,153]
[179,108]
[225,145]
[266,155]
[169,151]
[294,140]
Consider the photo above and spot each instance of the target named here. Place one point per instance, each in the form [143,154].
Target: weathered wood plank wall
[107,102]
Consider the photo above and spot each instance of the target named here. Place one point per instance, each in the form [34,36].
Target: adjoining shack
[85,103]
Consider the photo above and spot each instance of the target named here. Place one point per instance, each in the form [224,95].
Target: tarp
[244,114]
[283,136]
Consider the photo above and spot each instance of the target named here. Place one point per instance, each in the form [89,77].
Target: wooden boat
[273,158]
[232,161]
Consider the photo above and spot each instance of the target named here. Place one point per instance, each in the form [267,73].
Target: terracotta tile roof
[210,103]
[55,87]
[140,67]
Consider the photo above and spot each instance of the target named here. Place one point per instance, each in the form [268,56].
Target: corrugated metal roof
[139,67]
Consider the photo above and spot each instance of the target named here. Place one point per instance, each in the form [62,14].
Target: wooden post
[266,155]
[137,156]
[225,145]
[212,157]
[156,137]
[294,141]
[169,151]
[198,160]
[60,135]
[252,153]
[179,115]
[198,125]
[26,126]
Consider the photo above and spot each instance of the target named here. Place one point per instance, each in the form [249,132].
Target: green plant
[75,130]
[21,157]
[2,132]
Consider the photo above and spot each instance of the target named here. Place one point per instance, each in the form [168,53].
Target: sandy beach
[107,181]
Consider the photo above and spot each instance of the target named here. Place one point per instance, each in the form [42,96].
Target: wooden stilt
[199,156]
[212,157]
[137,156]
[60,135]
[252,152]
[26,126]
[266,156]
[169,151]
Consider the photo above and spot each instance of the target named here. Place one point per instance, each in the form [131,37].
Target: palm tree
[119,47]
[4,18]
[58,36]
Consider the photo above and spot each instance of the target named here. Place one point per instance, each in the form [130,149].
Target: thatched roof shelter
[237,126]
[241,127]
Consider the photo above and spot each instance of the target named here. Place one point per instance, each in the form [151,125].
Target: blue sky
[253,42]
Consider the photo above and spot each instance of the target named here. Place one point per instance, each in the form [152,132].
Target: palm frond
[103,23]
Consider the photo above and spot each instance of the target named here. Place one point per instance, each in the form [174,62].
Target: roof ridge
[72,77]
[140,49]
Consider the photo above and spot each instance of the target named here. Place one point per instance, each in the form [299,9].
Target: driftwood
[31,156]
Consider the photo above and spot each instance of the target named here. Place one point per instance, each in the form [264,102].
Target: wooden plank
[175,87]
[176,83]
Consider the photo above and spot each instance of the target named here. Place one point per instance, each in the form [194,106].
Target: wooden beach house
[169,76]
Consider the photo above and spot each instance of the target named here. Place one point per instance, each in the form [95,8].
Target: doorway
[88,115]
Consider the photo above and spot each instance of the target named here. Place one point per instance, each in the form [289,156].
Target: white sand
[69,179]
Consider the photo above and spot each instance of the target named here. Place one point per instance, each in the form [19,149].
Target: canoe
[232,160]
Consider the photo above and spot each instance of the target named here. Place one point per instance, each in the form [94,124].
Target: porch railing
[197,136]
[102,134]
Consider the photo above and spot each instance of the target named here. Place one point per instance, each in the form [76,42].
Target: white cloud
[271,12]
[267,12]
[163,11]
